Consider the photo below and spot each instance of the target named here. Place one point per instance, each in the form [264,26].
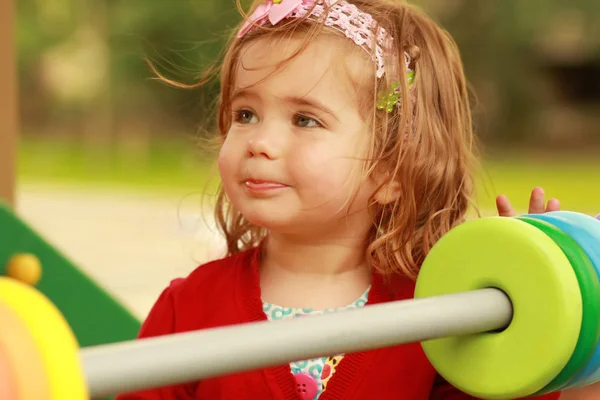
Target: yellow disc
[25,268]
[53,337]
[23,357]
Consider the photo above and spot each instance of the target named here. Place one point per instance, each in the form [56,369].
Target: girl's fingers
[537,204]
[553,205]
[537,201]
[504,207]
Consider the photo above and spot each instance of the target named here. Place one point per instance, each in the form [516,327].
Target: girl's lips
[256,185]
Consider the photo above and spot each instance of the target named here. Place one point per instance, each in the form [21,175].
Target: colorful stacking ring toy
[525,263]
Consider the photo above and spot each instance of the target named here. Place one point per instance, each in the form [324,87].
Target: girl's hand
[537,204]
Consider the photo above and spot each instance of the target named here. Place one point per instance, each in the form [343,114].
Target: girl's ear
[390,191]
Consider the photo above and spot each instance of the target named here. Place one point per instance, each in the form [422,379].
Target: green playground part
[94,316]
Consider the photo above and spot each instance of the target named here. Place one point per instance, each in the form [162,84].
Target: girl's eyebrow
[309,102]
[244,93]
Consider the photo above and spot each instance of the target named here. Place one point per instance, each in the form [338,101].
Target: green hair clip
[390,100]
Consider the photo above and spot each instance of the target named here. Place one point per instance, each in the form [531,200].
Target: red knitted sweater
[399,373]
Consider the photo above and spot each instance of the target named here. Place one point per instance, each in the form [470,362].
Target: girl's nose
[265,143]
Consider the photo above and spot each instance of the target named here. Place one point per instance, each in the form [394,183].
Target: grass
[175,168]
[162,167]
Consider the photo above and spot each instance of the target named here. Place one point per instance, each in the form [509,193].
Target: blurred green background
[92,114]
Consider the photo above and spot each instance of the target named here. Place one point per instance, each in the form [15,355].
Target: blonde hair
[426,145]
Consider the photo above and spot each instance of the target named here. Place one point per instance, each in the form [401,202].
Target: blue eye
[245,117]
[306,122]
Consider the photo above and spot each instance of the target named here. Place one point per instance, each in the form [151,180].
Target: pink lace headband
[342,16]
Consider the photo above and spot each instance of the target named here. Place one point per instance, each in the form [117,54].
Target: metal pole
[191,356]
[8,103]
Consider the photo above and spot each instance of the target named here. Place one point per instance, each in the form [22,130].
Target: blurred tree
[508,48]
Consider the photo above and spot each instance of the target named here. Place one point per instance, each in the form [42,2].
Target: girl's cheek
[325,175]
[226,160]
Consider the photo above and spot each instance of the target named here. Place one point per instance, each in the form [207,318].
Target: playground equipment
[504,308]
[28,258]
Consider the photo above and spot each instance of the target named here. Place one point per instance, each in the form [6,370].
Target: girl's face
[292,160]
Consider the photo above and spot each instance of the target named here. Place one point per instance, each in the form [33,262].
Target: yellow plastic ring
[53,337]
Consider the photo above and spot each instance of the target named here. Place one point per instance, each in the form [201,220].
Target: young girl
[346,153]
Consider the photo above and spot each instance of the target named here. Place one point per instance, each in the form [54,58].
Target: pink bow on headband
[273,10]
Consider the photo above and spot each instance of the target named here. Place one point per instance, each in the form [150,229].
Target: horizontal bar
[192,356]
